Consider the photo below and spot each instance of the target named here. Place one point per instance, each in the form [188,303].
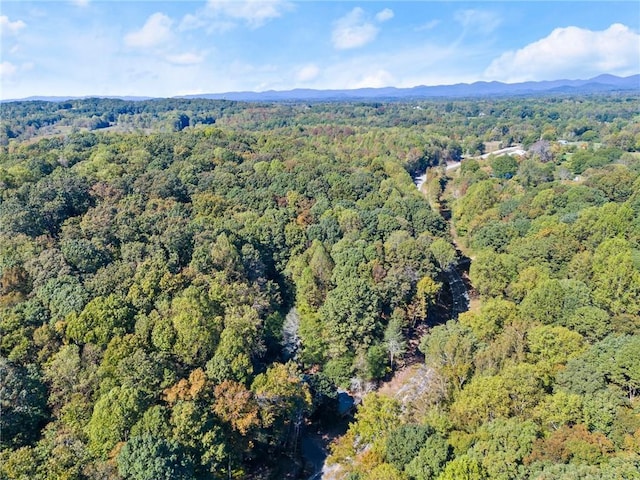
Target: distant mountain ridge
[62,98]
[601,83]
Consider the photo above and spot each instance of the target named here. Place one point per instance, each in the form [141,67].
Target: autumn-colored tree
[235,404]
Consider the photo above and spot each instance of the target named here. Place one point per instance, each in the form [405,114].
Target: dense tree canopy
[185,283]
[536,380]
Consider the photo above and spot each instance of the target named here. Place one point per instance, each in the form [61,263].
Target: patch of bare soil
[411,384]
[391,387]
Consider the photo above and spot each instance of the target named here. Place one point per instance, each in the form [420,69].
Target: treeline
[540,379]
[28,119]
[467,123]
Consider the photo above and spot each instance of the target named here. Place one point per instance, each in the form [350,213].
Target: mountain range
[601,83]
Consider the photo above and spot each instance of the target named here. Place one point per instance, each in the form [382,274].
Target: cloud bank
[254,13]
[571,52]
[224,15]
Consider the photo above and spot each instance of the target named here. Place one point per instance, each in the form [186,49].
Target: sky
[171,48]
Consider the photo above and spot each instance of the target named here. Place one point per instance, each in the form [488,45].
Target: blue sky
[168,48]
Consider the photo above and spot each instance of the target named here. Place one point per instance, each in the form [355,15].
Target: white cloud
[80,3]
[307,73]
[481,21]
[430,25]
[253,13]
[155,32]
[571,52]
[7,27]
[353,31]
[191,22]
[187,58]
[375,79]
[384,15]
[7,69]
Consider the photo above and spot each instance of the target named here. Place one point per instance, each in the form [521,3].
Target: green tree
[625,371]
[559,409]
[430,460]
[384,471]
[427,291]
[102,319]
[20,464]
[404,443]
[616,277]
[491,273]
[482,400]
[67,374]
[449,350]
[63,296]
[197,322]
[197,430]
[555,301]
[113,416]
[240,343]
[443,252]
[555,345]
[504,166]
[532,173]
[463,467]
[503,445]
[494,314]
[480,197]
[528,279]
[312,337]
[84,255]
[350,314]
[148,458]
[284,400]
[375,418]
[527,385]
[592,323]
[23,405]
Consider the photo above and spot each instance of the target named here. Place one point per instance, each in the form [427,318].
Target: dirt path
[456,275]
[466,258]
[413,378]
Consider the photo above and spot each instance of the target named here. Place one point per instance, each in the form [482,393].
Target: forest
[187,285]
